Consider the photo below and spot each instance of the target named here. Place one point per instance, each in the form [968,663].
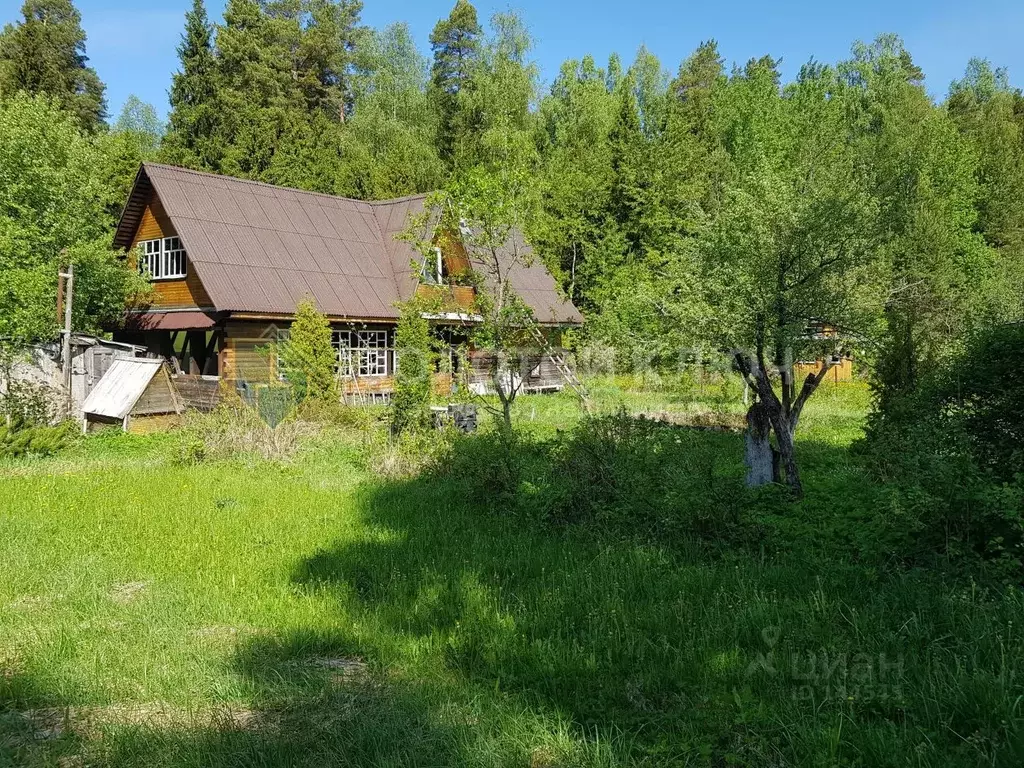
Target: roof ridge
[255,183]
[393,200]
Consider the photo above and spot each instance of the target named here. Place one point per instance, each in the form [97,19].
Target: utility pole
[65,297]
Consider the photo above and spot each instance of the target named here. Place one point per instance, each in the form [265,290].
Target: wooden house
[230,259]
[830,338]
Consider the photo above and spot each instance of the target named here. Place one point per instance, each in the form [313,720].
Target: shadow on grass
[615,634]
[32,721]
[312,704]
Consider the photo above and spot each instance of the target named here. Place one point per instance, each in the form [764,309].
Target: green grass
[309,613]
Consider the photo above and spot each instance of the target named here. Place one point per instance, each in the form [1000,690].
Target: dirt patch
[128,592]
[52,723]
[10,664]
[341,669]
[710,421]
[29,602]
[227,634]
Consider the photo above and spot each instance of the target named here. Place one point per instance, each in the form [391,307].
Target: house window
[342,352]
[162,259]
[361,353]
[433,268]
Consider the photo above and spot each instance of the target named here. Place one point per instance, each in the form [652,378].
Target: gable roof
[260,248]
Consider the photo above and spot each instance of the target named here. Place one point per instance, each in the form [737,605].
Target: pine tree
[259,100]
[455,42]
[691,149]
[191,139]
[45,53]
[327,52]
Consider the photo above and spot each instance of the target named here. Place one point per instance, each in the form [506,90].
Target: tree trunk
[505,397]
[759,455]
[787,457]
[782,416]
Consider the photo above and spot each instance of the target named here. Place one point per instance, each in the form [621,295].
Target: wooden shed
[137,394]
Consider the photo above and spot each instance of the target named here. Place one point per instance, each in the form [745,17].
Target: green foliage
[637,477]
[35,441]
[236,429]
[531,644]
[990,114]
[44,53]
[388,146]
[568,232]
[23,404]
[54,192]
[134,139]
[952,453]
[410,401]
[496,468]
[309,361]
[456,43]
[256,91]
[192,139]
[935,268]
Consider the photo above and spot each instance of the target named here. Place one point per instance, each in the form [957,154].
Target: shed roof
[122,385]
[260,248]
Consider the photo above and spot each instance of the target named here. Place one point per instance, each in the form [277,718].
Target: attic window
[433,268]
[162,259]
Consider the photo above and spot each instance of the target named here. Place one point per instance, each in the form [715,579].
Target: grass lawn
[311,613]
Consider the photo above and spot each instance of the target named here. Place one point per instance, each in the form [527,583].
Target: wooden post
[67,301]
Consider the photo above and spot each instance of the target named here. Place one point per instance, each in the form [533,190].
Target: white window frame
[365,352]
[342,344]
[163,258]
[433,269]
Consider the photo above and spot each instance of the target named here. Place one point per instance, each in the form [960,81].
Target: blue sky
[132,43]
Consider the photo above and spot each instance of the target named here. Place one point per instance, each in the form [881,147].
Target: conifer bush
[309,361]
[410,401]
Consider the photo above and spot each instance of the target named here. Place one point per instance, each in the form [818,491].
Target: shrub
[951,455]
[237,429]
[35,441]
[333,413]
[494,465]
[409,453]
[620,475]
[638,477]
[410,401]
[24,404]
[308,357]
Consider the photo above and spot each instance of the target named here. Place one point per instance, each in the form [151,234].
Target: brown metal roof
[259,248]
[169,321]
